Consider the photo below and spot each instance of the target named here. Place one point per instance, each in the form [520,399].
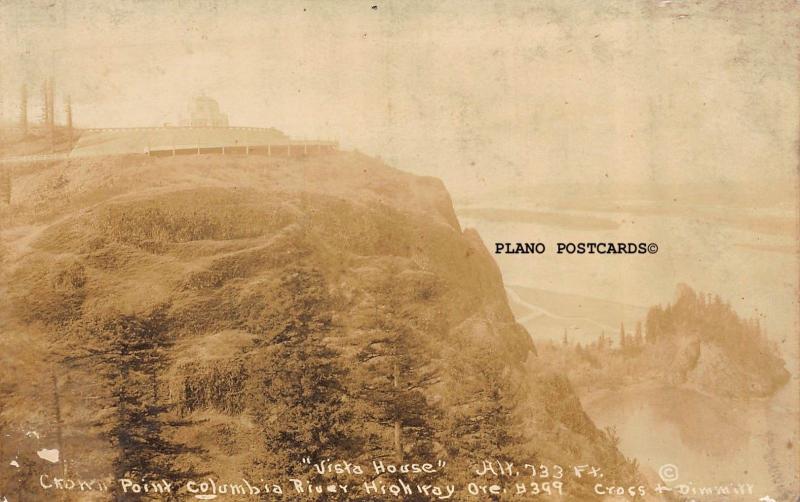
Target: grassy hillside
[226,317]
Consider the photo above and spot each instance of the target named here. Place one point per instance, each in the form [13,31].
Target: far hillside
[697,341]
[36,141]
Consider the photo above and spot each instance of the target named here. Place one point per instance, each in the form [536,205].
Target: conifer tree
[395,369]
[302,406]
[638,339]
[126,352]
[482,422]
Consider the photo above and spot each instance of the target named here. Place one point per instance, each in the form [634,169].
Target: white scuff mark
[205,497]
[14,463]
[32,434]
[49,455]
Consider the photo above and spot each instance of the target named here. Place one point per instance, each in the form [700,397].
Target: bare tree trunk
[398,445]
[2,115]
[23,110]
[59,432]
[51,114]
[45,104]
[5,186]
[68,110]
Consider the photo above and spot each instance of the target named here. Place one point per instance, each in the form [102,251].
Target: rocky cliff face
[229,316]
[715,371]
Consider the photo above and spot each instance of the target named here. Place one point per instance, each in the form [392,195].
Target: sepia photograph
[268,250]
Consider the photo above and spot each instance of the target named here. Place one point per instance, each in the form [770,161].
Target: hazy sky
[482,94]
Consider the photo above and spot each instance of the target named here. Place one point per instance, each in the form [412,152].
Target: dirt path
[538,311]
